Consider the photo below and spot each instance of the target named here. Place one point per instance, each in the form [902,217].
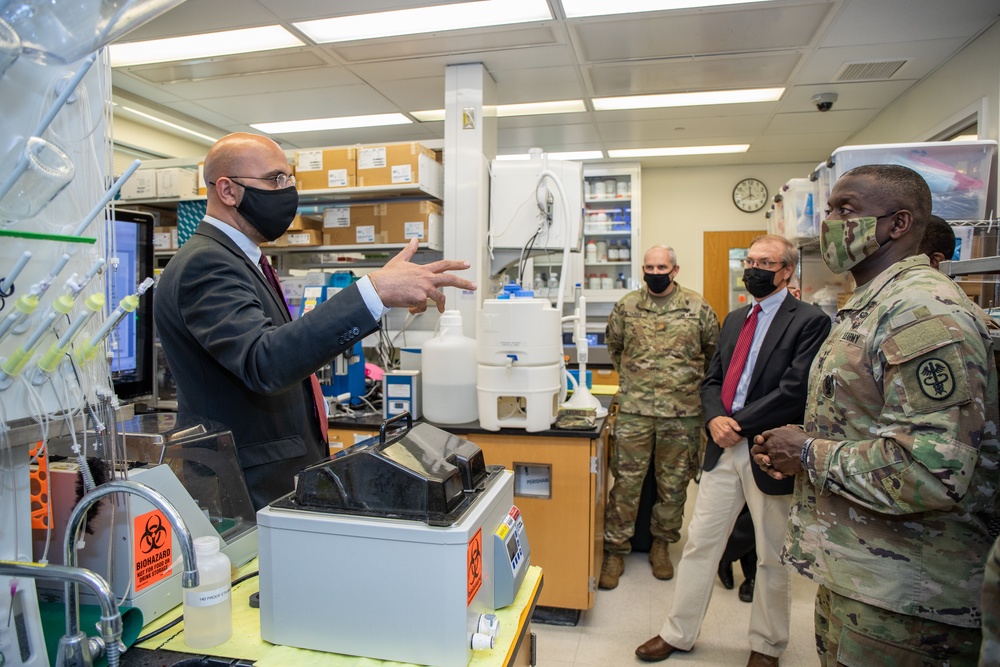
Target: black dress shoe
[726,575]
[746,590]
[655,649]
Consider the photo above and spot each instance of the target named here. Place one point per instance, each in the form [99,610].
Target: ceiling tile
[416,94]
[699,33]
[887,21]
[314,103]
[686,74]
[922,56]
[461,41]
[814,121]
[540,84]
[199,16]
[864,95]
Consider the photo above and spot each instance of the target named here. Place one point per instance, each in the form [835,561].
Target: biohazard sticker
[152,540]
[475,566]
[936,379]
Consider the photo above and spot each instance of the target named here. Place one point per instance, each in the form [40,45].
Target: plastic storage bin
[798,203]
[958,172]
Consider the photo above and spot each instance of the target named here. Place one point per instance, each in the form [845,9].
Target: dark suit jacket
[238,359]
[777,392]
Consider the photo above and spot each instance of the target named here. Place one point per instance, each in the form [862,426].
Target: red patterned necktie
[739,360]
[319,404]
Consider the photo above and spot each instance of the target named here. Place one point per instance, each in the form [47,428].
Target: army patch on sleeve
[935,379]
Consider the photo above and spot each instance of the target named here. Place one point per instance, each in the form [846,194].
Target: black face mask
[759,282]
[658,282]
[270,212]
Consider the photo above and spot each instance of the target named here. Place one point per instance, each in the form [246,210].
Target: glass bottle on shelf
[624,252]
[613,253]
[606,281]
[554,284]
[591,251]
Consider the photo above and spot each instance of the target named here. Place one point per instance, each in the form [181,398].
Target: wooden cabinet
[565,529]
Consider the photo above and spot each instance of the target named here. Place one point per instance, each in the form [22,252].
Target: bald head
[237,154]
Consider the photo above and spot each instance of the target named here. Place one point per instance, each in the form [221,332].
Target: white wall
[680,204]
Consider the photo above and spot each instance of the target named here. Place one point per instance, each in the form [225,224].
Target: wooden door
[716,278]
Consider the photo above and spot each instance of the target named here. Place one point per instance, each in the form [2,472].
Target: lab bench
[245,647]
[560,487]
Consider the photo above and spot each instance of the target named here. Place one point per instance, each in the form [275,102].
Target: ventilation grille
[875,70]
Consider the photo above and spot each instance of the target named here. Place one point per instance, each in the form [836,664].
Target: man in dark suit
[237,356]
[757,380]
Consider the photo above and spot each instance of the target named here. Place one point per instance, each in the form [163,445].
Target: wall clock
[750,195]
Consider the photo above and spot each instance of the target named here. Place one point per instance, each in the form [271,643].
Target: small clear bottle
[624,252]
[613,252]
[208,608]
[554,284]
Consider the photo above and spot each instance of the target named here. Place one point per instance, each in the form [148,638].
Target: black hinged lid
[418,472]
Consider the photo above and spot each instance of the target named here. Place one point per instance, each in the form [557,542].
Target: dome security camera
[824,101]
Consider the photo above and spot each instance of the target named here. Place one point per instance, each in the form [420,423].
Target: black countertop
[374,421]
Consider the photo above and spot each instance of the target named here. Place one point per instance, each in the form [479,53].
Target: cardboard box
[297,238]
[202,188]
[176,182]
[326,168]
[353,225]
[393,164]
[140,185]
[306,223]
[165,238]
[403,221]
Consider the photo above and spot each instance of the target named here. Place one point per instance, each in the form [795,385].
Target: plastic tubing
[8,282]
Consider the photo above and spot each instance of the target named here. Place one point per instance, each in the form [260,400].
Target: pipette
[128,304]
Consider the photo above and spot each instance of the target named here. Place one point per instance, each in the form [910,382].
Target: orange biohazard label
[152,539]
[475,567]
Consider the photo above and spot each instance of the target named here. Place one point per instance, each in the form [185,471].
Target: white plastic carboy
[448,366]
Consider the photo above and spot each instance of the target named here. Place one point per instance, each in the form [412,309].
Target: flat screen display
[132,360]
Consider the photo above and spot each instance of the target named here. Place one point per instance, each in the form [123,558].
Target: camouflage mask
[846,243]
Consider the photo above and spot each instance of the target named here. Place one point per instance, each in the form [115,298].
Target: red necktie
[319,405]
[739,360]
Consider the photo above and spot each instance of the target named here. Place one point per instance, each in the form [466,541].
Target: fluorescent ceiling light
[208,45]
[679,150]
[420,20]
[160,121]
[540,108]
[428,115]
[579,8]
[688,99]
[511,110]
[567,155]
[342,123]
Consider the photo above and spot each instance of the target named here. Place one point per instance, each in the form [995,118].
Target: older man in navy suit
[756,381]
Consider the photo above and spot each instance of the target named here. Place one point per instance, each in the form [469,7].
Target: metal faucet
[73,646]
[111,620]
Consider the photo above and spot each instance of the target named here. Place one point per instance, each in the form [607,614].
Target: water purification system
[519,350]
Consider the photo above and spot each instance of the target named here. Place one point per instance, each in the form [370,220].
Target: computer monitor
[132,339]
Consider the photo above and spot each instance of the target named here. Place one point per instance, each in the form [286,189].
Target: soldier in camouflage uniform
[899,452]
[989,653]
[660,339]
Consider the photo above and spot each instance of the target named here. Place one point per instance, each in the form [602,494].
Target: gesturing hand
[401,283]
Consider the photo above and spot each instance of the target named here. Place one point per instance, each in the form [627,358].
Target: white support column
[470,143]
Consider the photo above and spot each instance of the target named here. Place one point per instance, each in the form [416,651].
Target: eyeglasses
[280,180]
[767,265]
